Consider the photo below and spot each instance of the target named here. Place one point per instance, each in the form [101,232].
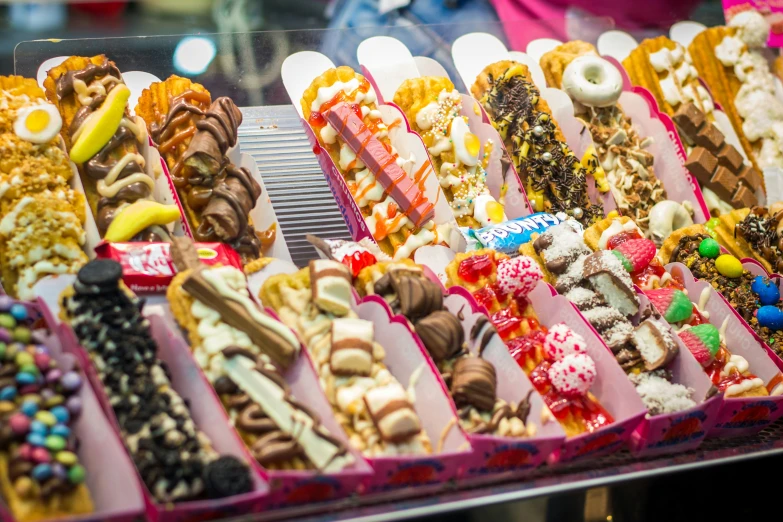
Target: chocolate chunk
[418,296]
[101,273]
[709,137]
[723,183]
[217,131]
[542,242]
[730,158]
[750,177]
[442,334]
[689,119]
[559,265]
[226,476]
[473,383]
[655,344]
[701,163]
[223,385]
[743,198]
[611,281]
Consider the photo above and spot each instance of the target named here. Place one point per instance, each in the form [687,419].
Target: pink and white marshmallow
[518,276]
[562,340]
[573,375]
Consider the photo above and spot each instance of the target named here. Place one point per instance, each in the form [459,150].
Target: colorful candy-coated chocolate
[42,361]
[20,423]
[8,393]
[23,358]
[6,302]
[54,375]
[74,405]
[66,458]
[729,266]
[76,474]
[25,451]
[768,292]
[709,248]
[61,413]
[22,334]
[59,471]
[23,486]
[46,417]
[19,312]
[42,472]
[7,321]
[36,439]
[40,455]
[30,368]
[29,408]
[24,378]
[5,337]
[53,400]
[61,430]
[31,390]
[55,443]
[39,427]
[770,317]
[7,407]
[71,381]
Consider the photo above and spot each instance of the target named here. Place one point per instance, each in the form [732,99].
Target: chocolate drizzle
[759,229]
[548,164]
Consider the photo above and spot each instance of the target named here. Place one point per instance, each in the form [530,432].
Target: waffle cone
[671,242]
[416,93]
[593,233]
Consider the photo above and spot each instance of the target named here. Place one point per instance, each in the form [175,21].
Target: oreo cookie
[225,477]
[98,276]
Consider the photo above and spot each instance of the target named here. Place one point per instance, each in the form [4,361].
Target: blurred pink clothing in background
[551,16]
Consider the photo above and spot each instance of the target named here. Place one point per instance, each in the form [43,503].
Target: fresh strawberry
[672,303]
[703,341]
[635,254]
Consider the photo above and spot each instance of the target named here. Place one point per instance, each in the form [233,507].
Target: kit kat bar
[374,155]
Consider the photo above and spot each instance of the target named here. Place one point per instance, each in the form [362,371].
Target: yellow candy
[495,211]
[101,125]
[137,216]
[613,214]
[593,167]
[729,266]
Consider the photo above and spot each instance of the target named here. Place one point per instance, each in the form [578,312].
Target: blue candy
[8,393]
[29,408]
[770,317]
[39,427]
[768,292]
[61,413]
[61,430]
[36,439]
[42,472]
[25,378]
[508,236]
[19,312]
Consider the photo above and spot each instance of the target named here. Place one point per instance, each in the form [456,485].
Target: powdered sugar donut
[518,276]
[561,341]
[573,375]
[592,81]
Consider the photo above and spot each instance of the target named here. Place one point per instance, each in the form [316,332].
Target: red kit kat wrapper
[147,268]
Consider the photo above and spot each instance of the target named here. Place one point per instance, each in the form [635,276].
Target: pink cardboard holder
[287,487]
[387,63]
[641,108]
[495,456]
[298,72]
[473,52]
[614,391]
[406,361]
[206,414]
[115,491]
[405,356]
[684,430]
[739,415]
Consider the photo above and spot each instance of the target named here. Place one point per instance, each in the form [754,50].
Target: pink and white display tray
[404,359]
[738,415]
[115,491]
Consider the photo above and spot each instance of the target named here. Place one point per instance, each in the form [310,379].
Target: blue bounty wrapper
[508,236]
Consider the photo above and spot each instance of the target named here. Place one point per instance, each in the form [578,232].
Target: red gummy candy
[639,252]
[473,268]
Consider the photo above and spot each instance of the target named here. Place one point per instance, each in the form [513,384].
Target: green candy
[22,334]
[709,248]
[7,321]
[23,358]
[76,474]
[29,368]
[679,309]
[2,350]
[626,264]
[709,335]
[55,443]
